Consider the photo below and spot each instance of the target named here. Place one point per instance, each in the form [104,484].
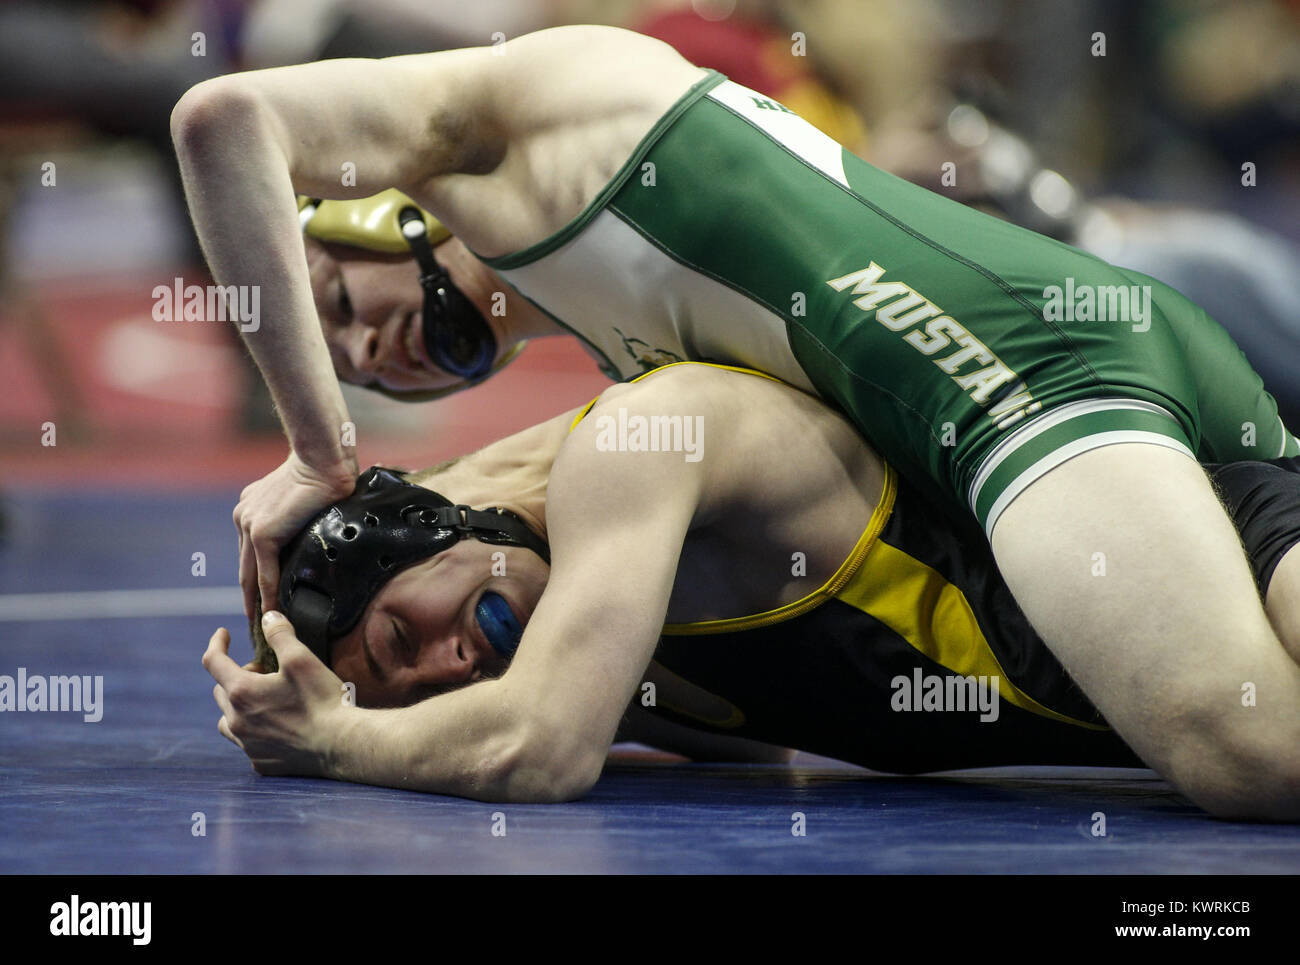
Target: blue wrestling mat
[130,792]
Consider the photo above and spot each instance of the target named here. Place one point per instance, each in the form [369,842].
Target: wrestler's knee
[1235,765]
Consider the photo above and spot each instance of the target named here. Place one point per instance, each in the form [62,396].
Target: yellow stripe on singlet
[817,596]
[582,413]
[828,590]
[886,583]
[934,617]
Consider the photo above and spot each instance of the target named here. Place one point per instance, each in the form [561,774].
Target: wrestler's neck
[511,473]
[513,318]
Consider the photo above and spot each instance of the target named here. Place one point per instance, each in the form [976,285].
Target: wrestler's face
[370,307]
[421,634]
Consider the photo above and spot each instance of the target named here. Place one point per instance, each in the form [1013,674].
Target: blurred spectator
[295,31]
[1243,275]
[1231,71]
[753,49]
[1184,92]
[112,69]
[118,67]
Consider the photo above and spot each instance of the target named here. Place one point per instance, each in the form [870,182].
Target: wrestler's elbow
[536,767]
[210,109]
[529,784]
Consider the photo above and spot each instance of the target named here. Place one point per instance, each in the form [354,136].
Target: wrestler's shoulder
[637,452]
[585,67]
[737,410]
[677,403]
[584,40]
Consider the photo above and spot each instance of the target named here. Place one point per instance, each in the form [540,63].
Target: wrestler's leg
[1163,631]
[1283,602]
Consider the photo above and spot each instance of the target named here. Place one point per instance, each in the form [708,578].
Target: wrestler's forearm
[241,198]
[473,743]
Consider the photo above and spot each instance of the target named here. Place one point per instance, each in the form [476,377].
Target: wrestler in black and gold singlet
[876,666]
[850,670]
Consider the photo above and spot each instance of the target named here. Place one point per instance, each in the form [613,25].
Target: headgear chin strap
[333,568]
[456,335]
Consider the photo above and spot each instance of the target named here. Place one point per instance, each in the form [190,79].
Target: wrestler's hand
[271,511]
[287,722]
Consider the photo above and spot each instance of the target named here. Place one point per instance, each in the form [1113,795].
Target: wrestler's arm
[447,128]
[247,142]
[616,522]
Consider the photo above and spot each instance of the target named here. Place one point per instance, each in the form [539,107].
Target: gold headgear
[371,223]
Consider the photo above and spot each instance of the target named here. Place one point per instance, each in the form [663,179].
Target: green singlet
[974,355]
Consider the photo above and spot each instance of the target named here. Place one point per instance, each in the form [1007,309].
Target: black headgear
[332,569]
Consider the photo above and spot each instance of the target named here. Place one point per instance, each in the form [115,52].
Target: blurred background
[1161,135]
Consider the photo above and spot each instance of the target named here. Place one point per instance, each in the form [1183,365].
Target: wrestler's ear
[282,639]
[264,659]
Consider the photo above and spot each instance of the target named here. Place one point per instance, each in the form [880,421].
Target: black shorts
[1263,499]
[923,608]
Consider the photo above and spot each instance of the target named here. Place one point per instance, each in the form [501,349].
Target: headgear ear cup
[332,569]
[263,655]
[456,336]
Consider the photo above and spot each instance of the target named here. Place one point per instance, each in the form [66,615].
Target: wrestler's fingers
[223,728]
[248,575]
[223,701]
[281,638]
[268,574]
[216,659]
